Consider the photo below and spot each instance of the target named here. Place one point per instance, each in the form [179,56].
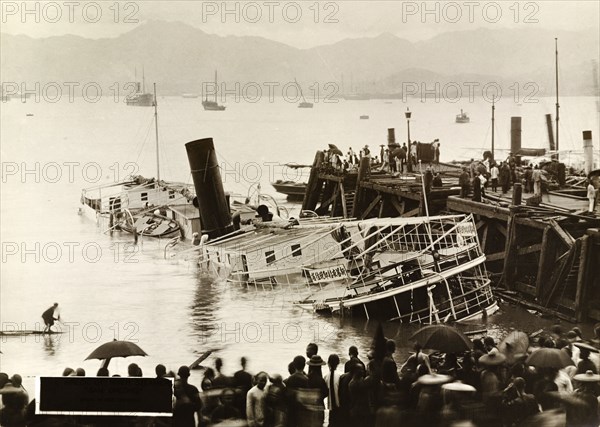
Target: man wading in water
[49,318]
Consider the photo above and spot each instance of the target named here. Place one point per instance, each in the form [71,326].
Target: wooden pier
[545,254]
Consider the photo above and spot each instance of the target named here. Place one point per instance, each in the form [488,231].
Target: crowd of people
[485,386]
[392,158]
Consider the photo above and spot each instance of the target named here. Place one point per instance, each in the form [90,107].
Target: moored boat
[292,189]
[462,117]
[213,105]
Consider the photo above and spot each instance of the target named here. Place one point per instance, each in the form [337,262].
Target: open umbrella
[399,152]
[116,349]
[514,343]
[443,338]
[549,358]
[336,151]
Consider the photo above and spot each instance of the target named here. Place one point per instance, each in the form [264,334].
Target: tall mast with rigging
[156,132]
[557,105]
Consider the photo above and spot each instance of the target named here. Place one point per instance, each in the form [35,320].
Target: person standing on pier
[476,188]
[537,181]
[591,195]
[494,172]
[463,181]
[48,317]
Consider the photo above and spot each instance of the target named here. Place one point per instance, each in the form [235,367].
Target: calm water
[109,289]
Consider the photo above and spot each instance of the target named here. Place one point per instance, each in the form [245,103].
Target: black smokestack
[213,206]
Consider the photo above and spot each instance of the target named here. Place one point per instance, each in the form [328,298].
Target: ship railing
[466,303]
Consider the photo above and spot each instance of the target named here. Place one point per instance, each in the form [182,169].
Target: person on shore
[591,195]
[226,409]
[48,317]
[586,412]
[437,181]
[504,177]
[275,403]
[103,372]
[220,380]
[317,389]
[14,403]
[296,381]
[494,173]
[242,381]
[160,370]
[255,401]
[332,379]
[187,400]
[311,350]
[353,353]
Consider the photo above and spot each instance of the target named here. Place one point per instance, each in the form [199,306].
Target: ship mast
[557,105]
[493,110]
[156,131]
[215,85]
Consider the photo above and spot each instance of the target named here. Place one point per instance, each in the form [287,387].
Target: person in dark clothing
[318,389]
[504,177]
[518,405]
[476,188]
[226,409]
[437,181]
[275,403]
[221,381]
[242,381]
[48,317]
[311,350]
[359,392]
[353,353]
[463,181]
[296,381]
[187,400]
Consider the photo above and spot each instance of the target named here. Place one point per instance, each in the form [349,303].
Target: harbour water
[109,288]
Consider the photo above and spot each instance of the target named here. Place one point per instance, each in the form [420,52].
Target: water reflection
[51,344]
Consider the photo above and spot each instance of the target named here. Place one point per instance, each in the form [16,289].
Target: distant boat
[213,105]
[190,95]
[140,98]
[364,117]
[29,115]
[304,103]
[462,117]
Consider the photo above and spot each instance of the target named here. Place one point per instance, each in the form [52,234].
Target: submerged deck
[543,251]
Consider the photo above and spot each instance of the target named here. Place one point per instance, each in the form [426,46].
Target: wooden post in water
[313,190]
[510,249]
[363,173]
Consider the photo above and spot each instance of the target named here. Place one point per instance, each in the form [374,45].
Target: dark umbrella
[584,346]
[116,349]
[399,152]
[443,338]
[336,151]
[549,358]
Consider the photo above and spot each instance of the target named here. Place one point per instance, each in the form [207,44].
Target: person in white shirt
[591,195]
[332,379]
[255,401]
[494,173]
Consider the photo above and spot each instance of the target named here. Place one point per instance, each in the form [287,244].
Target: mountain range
[179,58]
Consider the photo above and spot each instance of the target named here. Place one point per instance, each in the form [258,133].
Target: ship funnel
[212,204]
[588,151]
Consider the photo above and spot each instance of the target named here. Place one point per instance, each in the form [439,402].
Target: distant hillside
[179,58]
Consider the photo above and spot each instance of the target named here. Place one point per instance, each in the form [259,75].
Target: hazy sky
[302,23]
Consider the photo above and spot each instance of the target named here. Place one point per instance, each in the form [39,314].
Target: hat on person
[434,379]
[492,359]
[458,386]
[315,360]
[588,377]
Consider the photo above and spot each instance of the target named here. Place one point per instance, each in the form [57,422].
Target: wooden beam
[580,306]
[398,205]
[484,237]
[510,259]
[547,259]
[480,224]
[343,196]
[564,236]
[370,207]
[565,267]
[457,204]
[530,249]
[500,228]
[381,205]
[413,212]
[495,257]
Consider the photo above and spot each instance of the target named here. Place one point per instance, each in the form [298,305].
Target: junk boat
[304,103]
[462,117]
[292,189]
